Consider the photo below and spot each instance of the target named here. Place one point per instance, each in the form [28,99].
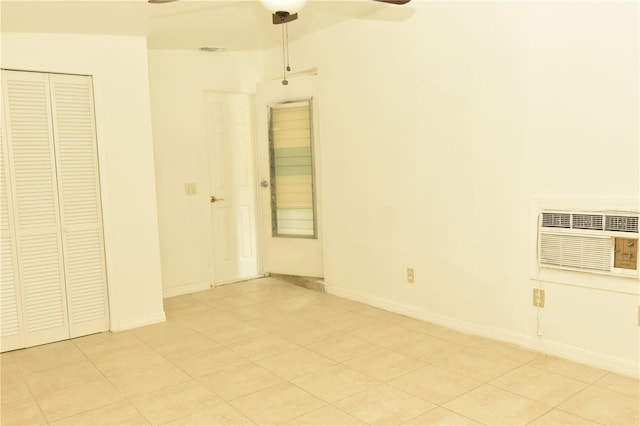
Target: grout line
[285,301]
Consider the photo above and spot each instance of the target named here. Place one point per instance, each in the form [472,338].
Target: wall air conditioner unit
[594,242]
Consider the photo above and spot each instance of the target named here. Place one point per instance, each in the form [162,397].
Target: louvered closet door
[11,331]
[80,206]
[38,241]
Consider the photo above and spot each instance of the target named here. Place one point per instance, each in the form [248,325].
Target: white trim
[141,322]
[239,280]
[572,353]
[214,273]
[256,194]
[201,286]
[186,289]
[113,290]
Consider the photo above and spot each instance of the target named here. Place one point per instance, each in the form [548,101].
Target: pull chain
[285,55]
[286,29]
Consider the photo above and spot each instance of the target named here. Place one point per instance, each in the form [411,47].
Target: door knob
[264,184]
[213,199]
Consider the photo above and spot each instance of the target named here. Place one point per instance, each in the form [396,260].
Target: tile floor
[267,352]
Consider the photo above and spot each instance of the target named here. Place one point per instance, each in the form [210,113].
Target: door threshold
[311,283]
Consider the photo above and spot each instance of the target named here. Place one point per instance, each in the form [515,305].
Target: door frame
[214,273]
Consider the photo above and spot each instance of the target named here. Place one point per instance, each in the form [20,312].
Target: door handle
[213,199]
[264,184]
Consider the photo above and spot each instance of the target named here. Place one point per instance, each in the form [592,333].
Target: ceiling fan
[285,11]
[291,8]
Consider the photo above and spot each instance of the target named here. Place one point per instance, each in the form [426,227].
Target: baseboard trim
[593,359]
[140,322]
[185,289]
[239,280]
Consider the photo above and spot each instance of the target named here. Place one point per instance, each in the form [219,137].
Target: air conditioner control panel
[625,253]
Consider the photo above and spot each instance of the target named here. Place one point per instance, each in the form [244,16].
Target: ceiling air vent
[591,242]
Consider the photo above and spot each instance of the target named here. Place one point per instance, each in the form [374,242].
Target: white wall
[178,81]
[121,85]
[444,132]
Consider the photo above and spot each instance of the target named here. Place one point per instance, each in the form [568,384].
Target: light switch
[190,189]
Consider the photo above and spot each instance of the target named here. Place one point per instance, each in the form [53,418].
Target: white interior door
[231,183]
[290,255]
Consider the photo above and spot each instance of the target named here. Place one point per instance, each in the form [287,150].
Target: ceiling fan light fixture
[279,6]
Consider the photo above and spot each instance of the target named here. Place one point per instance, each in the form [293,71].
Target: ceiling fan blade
[394,1]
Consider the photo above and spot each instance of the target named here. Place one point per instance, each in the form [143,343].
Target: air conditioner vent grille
[576,251]
[587,221]
[556,220]
[621,223]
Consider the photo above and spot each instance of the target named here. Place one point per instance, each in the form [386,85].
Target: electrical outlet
[190,189]
[410,275]
[538,297]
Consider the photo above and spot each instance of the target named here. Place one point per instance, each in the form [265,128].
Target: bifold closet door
[80,204]
[53,186]
[11,334]
[34,188]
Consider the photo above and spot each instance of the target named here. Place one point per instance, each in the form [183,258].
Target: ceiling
[185,24]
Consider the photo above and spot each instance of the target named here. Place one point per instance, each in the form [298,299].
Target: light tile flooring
[267,352]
